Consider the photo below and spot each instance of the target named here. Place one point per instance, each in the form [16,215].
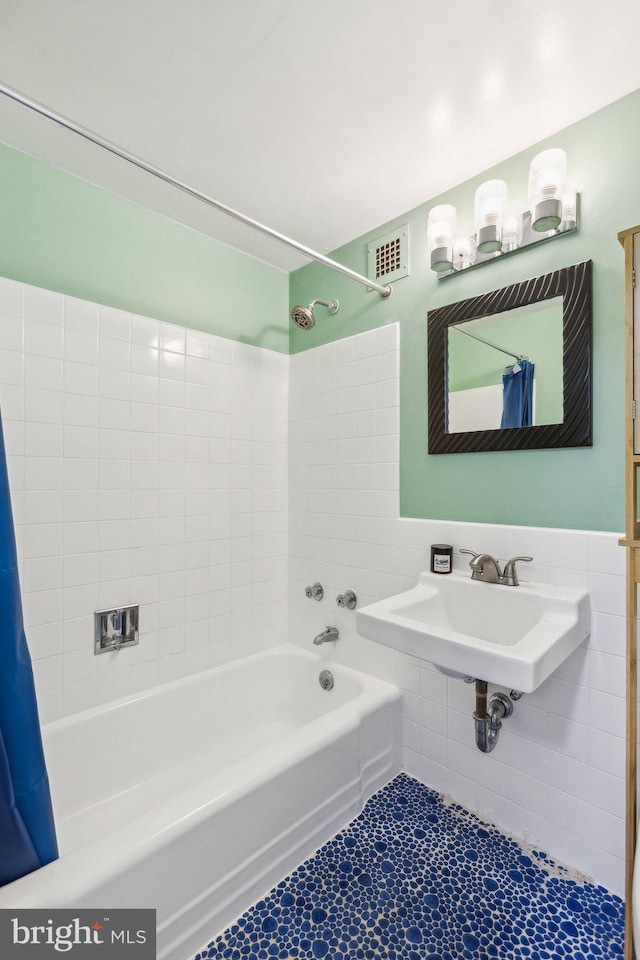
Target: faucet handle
[471,553]
[509,576]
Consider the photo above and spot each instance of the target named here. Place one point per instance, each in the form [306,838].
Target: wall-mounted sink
[512,636]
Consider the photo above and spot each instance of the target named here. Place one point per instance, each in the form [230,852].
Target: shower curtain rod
[518,356]
[385,290]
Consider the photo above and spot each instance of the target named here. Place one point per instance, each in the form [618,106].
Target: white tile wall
[556,776]
[148,463]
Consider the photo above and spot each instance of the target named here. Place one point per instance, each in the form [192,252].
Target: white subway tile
[47,673]
[80,474]
[81,347]
[11,297]
[81,537]
[115,384]
[171,367]
[79,505]
[145,331]
[145,360]
[11,332]
[172,337]
[42,540]
[80,695]
[114,324]
[42,607]
[80,378]
[43,339]
[12,367]
[607,593]
[114,354]
[80,569]
[12,399]
[80,664]
[41,440]
[197,344]
[80,442]
[81,315]
[608,673]
[42,573]
[42,373]
[608,634]
[43,306]
[114,685]
[42,406]
[81,411]
[607,713]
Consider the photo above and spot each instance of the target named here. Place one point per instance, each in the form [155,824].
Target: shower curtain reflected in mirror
[517,395]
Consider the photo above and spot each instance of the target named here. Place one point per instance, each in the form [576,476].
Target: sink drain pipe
[488,722]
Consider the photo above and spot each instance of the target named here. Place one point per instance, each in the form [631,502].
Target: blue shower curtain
[517,395]
[27,832]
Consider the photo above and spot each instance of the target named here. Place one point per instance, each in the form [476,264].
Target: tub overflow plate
[326,679]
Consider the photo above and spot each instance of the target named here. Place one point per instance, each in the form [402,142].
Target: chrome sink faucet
[486,568]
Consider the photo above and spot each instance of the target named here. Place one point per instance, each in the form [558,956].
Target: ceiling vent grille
[389,256]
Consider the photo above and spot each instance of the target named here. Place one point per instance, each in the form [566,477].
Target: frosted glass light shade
[464,253]
[547,186]
[570,209]
[490,206]
[441,233]
[512,234]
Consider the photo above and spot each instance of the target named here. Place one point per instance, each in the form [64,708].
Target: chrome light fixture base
[547,215]
[530,237]
[489,239]
[442,259]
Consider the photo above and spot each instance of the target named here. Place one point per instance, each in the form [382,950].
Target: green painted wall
[62,233]
[577,488]
[537,334]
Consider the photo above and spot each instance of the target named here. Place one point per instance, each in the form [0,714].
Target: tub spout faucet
[329,633]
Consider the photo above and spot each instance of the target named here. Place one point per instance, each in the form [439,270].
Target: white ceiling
[321,118]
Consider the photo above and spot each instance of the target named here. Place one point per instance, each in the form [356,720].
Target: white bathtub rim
[283,650]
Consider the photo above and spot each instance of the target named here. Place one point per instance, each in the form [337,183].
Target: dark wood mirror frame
[573,284]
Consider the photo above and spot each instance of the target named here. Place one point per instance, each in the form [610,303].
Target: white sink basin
[512,636]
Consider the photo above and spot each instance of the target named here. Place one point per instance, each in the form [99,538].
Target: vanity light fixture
[547,178]
[490,206]
[553,211]
[441,233]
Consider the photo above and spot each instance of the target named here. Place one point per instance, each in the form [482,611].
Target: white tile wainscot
[148,464]
[556,776]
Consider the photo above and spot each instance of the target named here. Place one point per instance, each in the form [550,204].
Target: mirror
[481,353]
[511,369]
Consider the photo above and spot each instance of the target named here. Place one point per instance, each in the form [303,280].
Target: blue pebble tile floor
[416,877]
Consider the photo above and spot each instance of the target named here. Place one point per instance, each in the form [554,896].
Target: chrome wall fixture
[347,599]
[326,635]
[116,629]
[385,290]
[499,231]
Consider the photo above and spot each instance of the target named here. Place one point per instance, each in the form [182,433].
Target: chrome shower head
[303,316]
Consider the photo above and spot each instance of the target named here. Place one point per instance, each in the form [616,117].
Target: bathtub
[196,797]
